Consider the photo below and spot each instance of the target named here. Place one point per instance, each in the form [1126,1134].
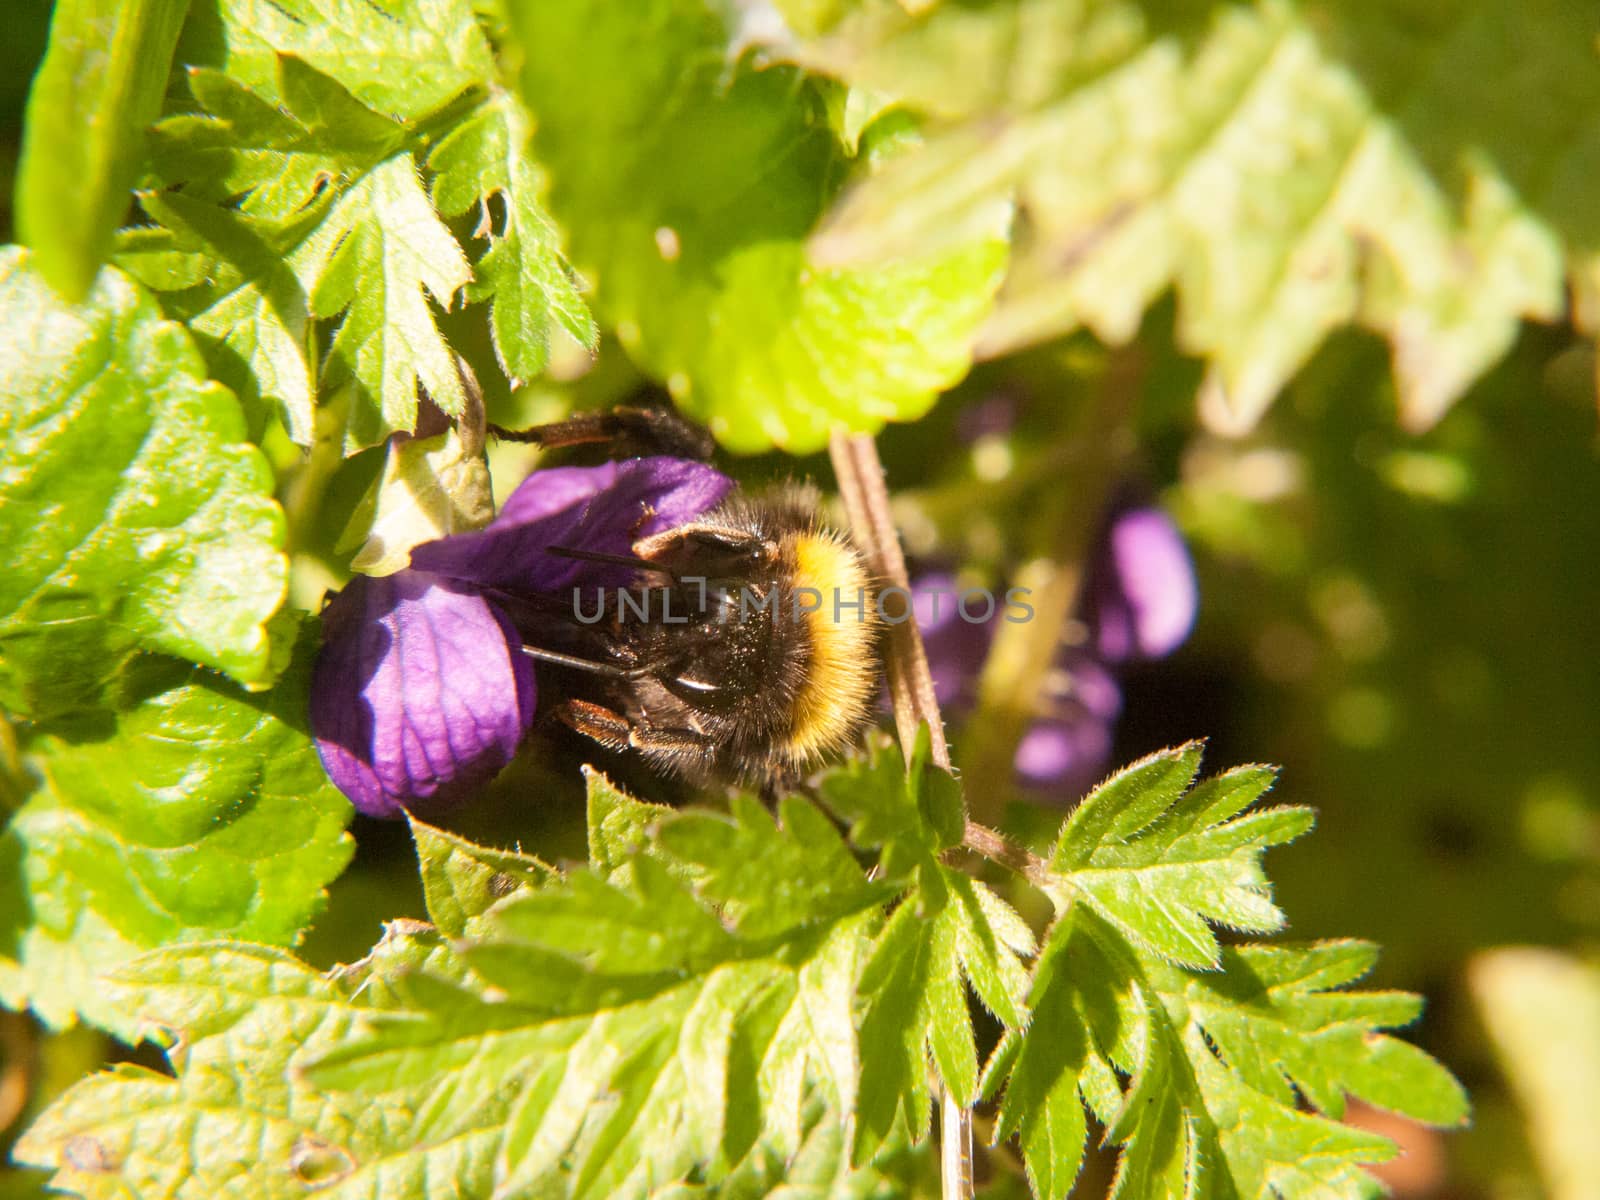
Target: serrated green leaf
[1144,857]
[331,219]
[238,1120]
[1273,1015]
[1124,804]
[1042,1072]
[247,311]
[1284,166]
[645,1035]
[273,158]
[691,228]
[381,251]
[202,812]
[462,881]
[135,515]
[239,144]
[915,986]
[100,84]
[768,875]
[404,60]
[522,274]
[1202,1115]
[620,827]
[910,814]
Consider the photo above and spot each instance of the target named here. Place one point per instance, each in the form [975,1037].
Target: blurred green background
[1408,624]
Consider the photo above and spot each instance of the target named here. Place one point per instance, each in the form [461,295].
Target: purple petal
[1080,684]
[1141,597]
[1063,758]
[602,509]
[421,691]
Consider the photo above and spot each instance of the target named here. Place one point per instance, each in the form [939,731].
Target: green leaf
[522,273]
[1275,1018]
[331,219]
[915,986]
[462,881]
[240,1023]
[1045,1070]
[247,311]
[1161,865]
[203,812]
[404,60]
[1287,168]
[134,514]
[649,1029]
[101,83]
[1198,1060]
[294,195]
[1190,1120]
[620,827]
[692,228]
[272,157]
[381,251]
[767,875]
[910,814]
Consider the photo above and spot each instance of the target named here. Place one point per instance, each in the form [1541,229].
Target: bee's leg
[686,751]
[626,431]
[597,722]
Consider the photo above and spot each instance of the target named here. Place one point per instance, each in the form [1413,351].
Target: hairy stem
[866,500]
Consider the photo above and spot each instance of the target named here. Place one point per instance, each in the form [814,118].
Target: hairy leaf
[244,305]
[1196,1057]
[293,200]
[240,1023]
[134,514]
[915,986]
[1198,1116]
[404,60]
[909,814]
[648,1033]
[484,160]
[379,254]
[1161,864]
[462,881]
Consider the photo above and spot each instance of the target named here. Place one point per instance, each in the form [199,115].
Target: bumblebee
[746,647]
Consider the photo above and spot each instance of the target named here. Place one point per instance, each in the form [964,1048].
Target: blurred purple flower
[1063,757]
[1139,601]
[421,691]
[1139,598]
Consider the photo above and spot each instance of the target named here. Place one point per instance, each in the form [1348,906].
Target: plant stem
[866,500]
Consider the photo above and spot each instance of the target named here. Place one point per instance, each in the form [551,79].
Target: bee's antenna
[610,670]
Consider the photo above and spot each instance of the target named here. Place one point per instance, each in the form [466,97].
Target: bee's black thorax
[718,645]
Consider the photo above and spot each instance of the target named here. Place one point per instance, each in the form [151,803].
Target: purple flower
[1138,602]
[1063,757]
[421,692]
[1140,597]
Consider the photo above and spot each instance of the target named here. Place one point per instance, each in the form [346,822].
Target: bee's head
[710,552]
